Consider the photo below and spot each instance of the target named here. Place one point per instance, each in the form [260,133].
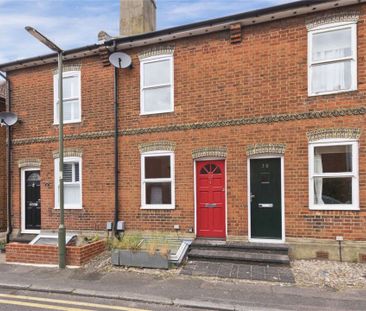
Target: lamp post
[61,228]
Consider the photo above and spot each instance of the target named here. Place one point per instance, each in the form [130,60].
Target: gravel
[329,274]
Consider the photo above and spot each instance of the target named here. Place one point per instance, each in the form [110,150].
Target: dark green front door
[265,194]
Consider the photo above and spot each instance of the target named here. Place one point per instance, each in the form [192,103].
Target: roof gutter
[292,9]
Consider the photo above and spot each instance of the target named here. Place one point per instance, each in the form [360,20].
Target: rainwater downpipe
[9,229]
[116,154]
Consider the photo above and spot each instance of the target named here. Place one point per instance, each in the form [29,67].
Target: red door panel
[211,199]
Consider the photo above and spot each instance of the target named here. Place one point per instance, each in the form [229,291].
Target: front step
[241,246]
[238,252]
[23,238]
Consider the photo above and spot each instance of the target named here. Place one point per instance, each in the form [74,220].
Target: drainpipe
[9,229]
[116,154]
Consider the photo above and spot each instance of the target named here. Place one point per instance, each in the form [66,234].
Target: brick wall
[3,213]
[46,254]
[215,81]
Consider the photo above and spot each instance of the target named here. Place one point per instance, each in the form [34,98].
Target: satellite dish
[120,60]
[8,118]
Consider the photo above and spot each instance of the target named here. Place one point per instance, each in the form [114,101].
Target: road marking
[39,305]
[68,302]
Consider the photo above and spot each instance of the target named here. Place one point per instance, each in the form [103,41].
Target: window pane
[158,193]
[71,110]
[331,77]
[332,190]
[333,159]
[157,99]
[157,167]
[332,44]
[72,194]
[68,172]
[157,73]
[76,167]
[70,87]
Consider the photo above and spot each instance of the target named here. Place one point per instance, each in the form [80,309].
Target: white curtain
[156,195]
[318,182]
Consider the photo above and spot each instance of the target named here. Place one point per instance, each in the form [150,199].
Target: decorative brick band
[65,68]
[157,146]
[330,18]
[212,152]
[29,163]
[155,51]
[266,149]
[345,133]
[69,152]
[202,125]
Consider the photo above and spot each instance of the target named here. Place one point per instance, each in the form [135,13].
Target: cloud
[75,23]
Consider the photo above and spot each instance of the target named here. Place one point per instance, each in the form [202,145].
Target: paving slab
[239,271]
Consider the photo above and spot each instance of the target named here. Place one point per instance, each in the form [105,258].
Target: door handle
[265,205]
[210,205]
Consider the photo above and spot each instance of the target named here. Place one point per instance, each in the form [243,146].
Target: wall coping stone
[266,149]
[156,51]
[334,133]
[69,152]
[66,68]
[156,146]
[29,163]
[331,18]
[214,152]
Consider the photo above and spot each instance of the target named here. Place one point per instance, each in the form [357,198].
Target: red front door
[211,199]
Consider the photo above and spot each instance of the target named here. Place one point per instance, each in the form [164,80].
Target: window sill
[158,207]
[331,93]
[155,112]
[334,208]
[71,208]
[67,122]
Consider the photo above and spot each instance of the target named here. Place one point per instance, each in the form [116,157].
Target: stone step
[23,238]
[272,248]
[238,256]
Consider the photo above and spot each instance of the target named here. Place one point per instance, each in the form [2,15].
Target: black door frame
[282,240]
[23,199]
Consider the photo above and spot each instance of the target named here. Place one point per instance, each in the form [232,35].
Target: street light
[61,228]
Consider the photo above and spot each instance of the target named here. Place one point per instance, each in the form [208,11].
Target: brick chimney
[137,16]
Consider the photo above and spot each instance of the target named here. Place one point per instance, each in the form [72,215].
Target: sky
[75,23]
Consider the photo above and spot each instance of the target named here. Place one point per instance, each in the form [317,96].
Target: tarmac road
[19,300]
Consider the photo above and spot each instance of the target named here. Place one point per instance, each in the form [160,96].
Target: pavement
[178,291]
[239,271]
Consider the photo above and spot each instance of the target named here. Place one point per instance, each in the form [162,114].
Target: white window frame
[68,160]
[171,179]
[66,74]
[354,175]
[143,88]
[352,58]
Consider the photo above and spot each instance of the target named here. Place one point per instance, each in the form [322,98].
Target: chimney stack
[137,16]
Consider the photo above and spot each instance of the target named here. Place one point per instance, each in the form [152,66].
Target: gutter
[255,17]
[9,229]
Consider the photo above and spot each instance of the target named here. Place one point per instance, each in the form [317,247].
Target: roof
[219,24]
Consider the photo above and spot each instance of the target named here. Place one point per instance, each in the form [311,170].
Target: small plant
[162,247]
[2,246]
[130,242]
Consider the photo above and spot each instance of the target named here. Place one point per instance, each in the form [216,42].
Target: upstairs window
[332,59]
[334,175]
[72,183]
[71,97]
[157,93]
[157,180]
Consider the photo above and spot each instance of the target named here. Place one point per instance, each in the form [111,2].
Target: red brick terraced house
[248,127]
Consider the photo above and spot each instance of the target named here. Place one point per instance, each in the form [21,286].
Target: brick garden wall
[215,81]
[46,254]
